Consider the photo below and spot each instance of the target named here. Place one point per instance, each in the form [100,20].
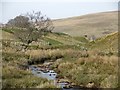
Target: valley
[68,51]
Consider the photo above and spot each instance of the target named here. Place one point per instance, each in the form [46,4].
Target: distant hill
[98,24]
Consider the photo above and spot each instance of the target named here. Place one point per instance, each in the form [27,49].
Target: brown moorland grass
[96,69]
[92,24]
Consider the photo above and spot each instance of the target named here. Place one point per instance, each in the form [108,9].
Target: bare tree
[40,22]
[31,26]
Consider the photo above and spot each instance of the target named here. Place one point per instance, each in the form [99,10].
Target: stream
[50,75]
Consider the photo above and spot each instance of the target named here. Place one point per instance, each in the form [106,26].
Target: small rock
[90,85]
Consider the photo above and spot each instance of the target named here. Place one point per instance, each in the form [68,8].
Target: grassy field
[76,59]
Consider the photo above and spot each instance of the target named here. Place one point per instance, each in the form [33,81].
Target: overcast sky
[55,9]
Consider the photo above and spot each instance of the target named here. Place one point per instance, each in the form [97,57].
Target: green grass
[65,39]
[106,43]
[81,39]
[60,33]
[7,30]
[52,42]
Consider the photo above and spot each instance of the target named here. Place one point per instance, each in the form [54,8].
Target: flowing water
[50,75]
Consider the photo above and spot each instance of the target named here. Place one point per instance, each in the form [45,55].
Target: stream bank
[44,71]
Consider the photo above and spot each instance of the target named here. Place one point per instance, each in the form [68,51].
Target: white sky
[55,8]
[59,0]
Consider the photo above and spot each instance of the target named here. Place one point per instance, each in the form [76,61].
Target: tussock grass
[39,56]
[44,53]
[48,85]
[92,69]
[13,78]
[110,82]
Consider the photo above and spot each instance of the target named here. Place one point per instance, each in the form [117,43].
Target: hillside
[55,40]
[49,40]
[106,43]
[98,24]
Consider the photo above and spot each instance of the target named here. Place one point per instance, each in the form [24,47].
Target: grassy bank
[100,70]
